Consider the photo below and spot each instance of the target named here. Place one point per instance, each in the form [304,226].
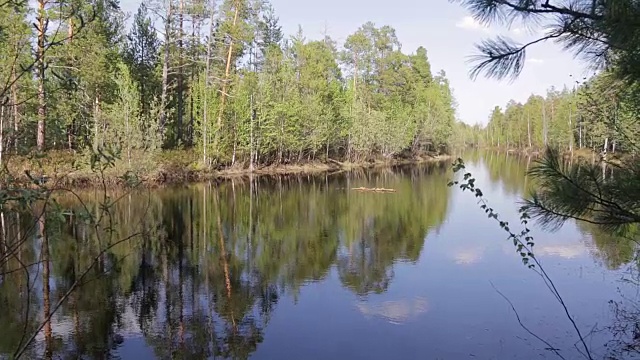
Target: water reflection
[613,251]
[397,311]
[569,251]
[218,269]
[508,172]
[212,261]
[468,256]
[620,332]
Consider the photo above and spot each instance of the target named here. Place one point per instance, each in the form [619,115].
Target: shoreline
[584,153]
[56,172]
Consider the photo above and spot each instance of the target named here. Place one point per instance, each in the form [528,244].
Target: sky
[448,33]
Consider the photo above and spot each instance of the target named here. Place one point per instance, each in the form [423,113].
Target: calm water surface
[305,268]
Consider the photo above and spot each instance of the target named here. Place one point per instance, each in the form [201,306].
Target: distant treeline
[599,114]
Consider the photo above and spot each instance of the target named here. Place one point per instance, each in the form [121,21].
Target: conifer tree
[141,54]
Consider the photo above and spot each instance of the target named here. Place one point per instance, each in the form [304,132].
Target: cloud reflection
[396,311]
[569,251]
[467,256]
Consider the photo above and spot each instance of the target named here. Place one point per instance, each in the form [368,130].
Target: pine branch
[505,11]
[579,192]
[602,32]
[14,3]
[501,58]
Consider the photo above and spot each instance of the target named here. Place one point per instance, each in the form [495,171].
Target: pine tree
[269,32]
[15,36]
[142,56]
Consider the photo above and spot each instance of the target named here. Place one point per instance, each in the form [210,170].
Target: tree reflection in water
[205,277]
[614,252]
[213,260]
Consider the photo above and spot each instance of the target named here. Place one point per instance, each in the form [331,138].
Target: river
[303,267]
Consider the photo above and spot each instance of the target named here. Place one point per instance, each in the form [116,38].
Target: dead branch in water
[383,190]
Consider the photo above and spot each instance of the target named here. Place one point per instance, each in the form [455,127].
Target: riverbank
[579,154]
[66,169]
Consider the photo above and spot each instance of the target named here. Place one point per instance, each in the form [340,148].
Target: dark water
[305,268]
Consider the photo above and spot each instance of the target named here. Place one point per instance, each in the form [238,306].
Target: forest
[217,80]
[599,114]
[218,84]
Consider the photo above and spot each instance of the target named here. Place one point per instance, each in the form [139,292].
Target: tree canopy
[217,77]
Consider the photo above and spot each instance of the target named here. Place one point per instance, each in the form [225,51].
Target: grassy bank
[66,169]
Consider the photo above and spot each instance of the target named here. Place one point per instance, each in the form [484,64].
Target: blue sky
[448,34]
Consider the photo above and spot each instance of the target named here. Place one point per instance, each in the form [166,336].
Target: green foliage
[599,115]
[141,54]
[602,112]
[270,32]
[583,191]
[296,107]
[241,94]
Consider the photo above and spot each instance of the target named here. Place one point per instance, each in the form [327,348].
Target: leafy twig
[523,242]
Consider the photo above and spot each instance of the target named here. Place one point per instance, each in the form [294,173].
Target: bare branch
[549,346]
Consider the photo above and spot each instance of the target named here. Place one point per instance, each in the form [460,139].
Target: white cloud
[469,23]
[535,61]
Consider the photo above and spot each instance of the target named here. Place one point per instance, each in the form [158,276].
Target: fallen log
[364,189]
